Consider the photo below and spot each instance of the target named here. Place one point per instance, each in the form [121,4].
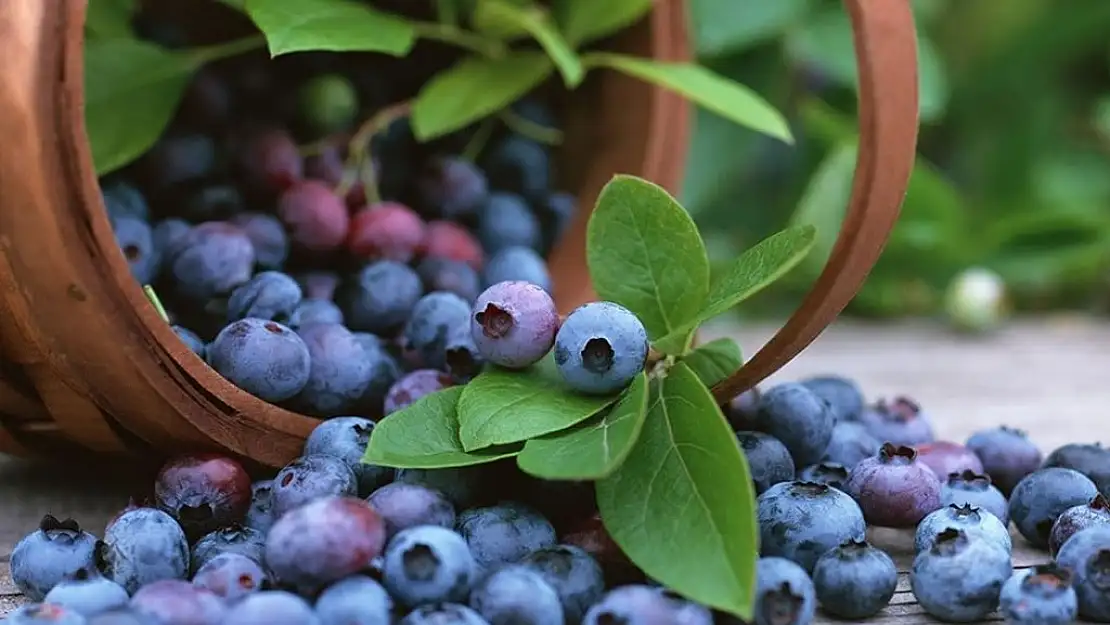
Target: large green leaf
[714,361]
[583,21]
[536,21]
[335,25]
[109,19]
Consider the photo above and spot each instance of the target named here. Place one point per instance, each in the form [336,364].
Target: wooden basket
[88,364]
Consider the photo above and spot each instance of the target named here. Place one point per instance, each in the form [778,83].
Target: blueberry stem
[528,128]
[478,142]
[153,297]
[358,151]
[449,33]
[219,51]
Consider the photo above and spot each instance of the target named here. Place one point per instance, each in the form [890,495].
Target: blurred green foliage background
[1013,169]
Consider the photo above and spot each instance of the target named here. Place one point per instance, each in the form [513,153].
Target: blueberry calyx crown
[833,470]
[809,487]
[781,605]
[900,409]
[597,355]
[890,452]
[495,321]
[51,524]
[1098,570]
[853,547]
[1015,431]
[970,480]
[1048,577]
[964,511]
[950,542]
[1098,502]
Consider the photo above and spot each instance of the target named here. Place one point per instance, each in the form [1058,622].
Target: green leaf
[488,18]
[723,27]
[825,202]
[682,506]
[644,253]
[334,25]
[132,89]
[473,89]
[715,361]
[425,436]
[583,21]
[754,270]
[501,406]
[109,19]
[723,96]
[535,20]
[593,449]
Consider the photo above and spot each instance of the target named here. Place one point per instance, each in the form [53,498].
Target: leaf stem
[156,302]
[449,33]
[359,158]
[479,141]
[528,128]
[227,49]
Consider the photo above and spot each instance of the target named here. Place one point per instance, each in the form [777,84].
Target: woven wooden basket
[88,364]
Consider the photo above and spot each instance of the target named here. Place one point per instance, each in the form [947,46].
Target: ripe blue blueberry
[1090,459]
[264,358]
[56,551]
[310,478]
[464,487]
[768,459]
[800,521]
[271,607]
[516,594]
[574,574]
[843,395]
[356,600]
[977,490]
[637,603]
[851,443]
[428,564]
[453,276]
[233,538]
[413,387]
[267,236]
[311,311]
[44,614]
[600,347]
[959,579]
[520,165]
[339,373]
[1087,555]
[828,473]
[122,199]
[977,523]
[451,187]
[260,515]
[507,221]
[504,533]
[267,295]
[346,438]
[1040,595]
[854,580]
[517,263]
[191,340]
[901,422]
[169,237]
[1076,519]
[784,593]
[443,614]
[214,258]
[514,324]
[142,546]
[136,241]
[231,576]
[1007,455]
[555,213]
[380,297]
[438,321]
[743,409]
[177,602]
[893,489]
[384,372]
[799,418]
[403,505]
[88,593]
[1043,495]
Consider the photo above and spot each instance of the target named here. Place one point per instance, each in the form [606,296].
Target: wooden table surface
[1045,376]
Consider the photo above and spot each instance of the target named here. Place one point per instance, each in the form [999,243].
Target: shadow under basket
[87,364]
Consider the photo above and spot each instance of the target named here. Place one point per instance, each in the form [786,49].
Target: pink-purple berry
[894,489]
[514,324]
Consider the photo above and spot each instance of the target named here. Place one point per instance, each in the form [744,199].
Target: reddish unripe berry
[386,230]
[271,161]
[945,457]
[447,239]
[204,492]
[893,489]
[317,219]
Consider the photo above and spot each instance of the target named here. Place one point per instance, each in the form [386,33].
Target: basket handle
[886,56]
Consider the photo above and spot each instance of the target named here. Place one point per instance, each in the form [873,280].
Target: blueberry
[828,473]
[267,236]
[142,546]
[945,458]
[443,614]
[356,600]
[316,218]
[802,520]
[403,505]
[453,276]
[324,541]
[535,111]
[136,241]
[346,438]
[516,594]
[386,230]
[1090,459]
[977,490]
[636,603]
[452,241]
[1042,496]
[574,574]
[1007,455]
[556,212]
[451,187]
[318,284]
[214,258]
[768,459]
[959,579]
[414,386]
[327,103]
[743,409]
[514,324]
[799,418]
[504,533]
[178,159]
[264,358]
[977,523]
[437,321]
[191,340]
[600,347]
[381,296]
[340,370]
[170,237]
[901,422]
[519,165]
[851,443]
[271,607]
[203,492]
[784,593]
[234,538]
[462,486]
[122,616]
[310,478]
[843,395]
[507,221]
[1078,518]
[312,311]
[124,200]
[231,576]
[384,373]
[893,489]
[88,594]
[517,263]
[56,551]
[267,295]
[428,564]
[43,614]
[1087,555]
[1040,595]
[260,514]
[854,580]
[177,602]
